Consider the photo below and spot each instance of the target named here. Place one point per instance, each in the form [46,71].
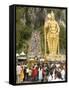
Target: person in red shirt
[34,73]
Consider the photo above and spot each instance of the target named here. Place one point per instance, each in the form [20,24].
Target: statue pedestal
[58,57]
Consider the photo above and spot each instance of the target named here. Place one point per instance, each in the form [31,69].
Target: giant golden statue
[51,34]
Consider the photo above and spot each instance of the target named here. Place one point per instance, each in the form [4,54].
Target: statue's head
[49,16]
[52,15]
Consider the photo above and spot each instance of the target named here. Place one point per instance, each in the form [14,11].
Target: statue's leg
[49,40]
[51,45]
[55,45]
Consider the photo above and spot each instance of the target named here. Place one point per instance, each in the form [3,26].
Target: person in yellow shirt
[22,75]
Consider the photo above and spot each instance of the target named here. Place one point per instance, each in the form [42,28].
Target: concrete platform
[58,57]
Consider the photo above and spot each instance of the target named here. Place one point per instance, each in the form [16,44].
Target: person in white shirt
[50,77]
[40,74]
[27,72]
[18,70]
[63,74]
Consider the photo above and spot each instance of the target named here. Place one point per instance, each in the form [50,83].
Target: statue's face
[49,16]
[52,16]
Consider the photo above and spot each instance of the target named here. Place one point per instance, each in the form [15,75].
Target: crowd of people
[40,72]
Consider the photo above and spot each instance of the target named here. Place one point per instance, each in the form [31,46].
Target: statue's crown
[52,14]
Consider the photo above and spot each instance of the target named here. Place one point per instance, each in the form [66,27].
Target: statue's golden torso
[52,25]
